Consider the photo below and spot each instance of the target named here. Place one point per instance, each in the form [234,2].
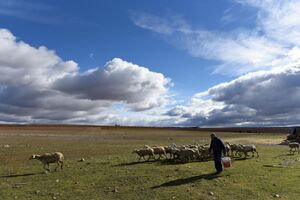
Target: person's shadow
[188,180]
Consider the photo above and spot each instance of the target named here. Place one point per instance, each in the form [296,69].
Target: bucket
[226,162]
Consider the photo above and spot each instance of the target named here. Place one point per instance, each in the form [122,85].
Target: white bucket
[226,161]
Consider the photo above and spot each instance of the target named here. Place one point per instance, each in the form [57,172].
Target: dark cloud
[263,98]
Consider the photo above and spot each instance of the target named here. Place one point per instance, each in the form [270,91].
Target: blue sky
[94,32]
[173,63]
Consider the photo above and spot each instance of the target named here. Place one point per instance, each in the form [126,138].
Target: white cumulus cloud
[37,86]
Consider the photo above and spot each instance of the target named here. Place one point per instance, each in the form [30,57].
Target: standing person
[218,148]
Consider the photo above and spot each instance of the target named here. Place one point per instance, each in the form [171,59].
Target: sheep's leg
[159,156]
[61,164]
[165,155]
[252,154]
[144,158]
[57,165]
[153,156]
[48,167]
[292,150]
[44,166]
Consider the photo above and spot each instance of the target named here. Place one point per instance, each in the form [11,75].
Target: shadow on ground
[134,163]
[20,175]
[188,180]
[173,161]
[286,154]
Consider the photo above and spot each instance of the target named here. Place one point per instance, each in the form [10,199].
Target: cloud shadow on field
[183,181]
[20,175]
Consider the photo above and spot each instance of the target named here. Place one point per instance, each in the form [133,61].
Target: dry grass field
[111,171]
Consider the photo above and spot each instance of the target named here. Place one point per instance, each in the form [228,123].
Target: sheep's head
[135,151]
[32,157]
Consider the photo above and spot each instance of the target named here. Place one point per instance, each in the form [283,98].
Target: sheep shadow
[240,159]
[179,162]
[183,181]
[20,175]
[286,154]
[134,163]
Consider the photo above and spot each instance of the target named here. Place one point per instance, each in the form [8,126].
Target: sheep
[294,146]
[159,150]
[227,148]
[174,152]
[185,154]
[235,148]
[169,150]
[48,158]
[144,152]
[196,153]
[204,151]
[248,148]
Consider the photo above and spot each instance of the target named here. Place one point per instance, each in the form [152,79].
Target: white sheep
[159,150]
[186,154]
[204,151]
[169,150]
[248,148]
[144,152]
[48,158]
[294,146]
[227,148]
[235,149]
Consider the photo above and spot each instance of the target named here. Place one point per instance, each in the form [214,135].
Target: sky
[206,63]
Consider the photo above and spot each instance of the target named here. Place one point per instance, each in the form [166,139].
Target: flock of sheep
[294,146]
[184,153]
[189,152]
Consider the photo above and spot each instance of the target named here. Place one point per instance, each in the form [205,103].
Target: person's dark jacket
[217,147]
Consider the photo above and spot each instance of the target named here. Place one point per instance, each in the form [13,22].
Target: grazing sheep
[144,152]
[48,158]
[294,146]
[248,148]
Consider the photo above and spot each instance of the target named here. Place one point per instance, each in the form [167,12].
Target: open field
[110,171]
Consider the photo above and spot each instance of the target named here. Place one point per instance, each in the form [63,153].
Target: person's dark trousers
[218,163]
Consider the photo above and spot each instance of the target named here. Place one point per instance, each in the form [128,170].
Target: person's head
[213,135]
